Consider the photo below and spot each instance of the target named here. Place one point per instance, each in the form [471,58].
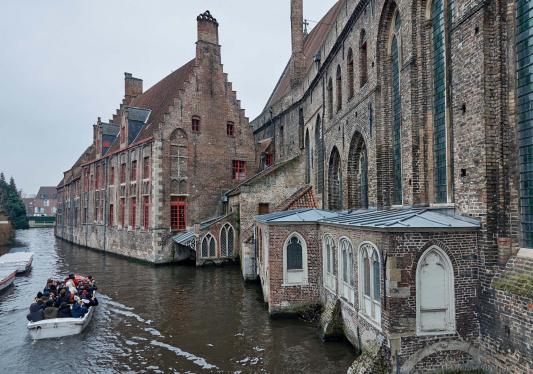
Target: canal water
[171,319]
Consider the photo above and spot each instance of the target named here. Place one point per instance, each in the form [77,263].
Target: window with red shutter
[238,170]
[178,213]
[269,159]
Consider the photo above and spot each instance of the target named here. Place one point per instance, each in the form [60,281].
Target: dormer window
[195,124]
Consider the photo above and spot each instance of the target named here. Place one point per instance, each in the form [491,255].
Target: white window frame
[346,290]
[208,237]
[369,306]
[329,278]
[224,230]
[449,292]
[301,274]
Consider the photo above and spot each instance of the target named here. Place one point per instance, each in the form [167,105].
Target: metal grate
[524,62]
[439,101]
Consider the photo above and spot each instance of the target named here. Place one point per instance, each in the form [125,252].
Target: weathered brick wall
[216,230]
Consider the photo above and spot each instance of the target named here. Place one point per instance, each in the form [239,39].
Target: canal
[171,319]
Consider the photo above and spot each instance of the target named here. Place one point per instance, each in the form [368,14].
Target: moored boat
[59,327]
[20,261]
[6,278]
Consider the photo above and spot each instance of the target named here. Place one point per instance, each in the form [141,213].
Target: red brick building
[44,204]
[162,163]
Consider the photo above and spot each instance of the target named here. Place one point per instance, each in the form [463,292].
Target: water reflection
[164,319]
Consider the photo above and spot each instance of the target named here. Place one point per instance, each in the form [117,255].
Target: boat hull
[7,280]
[20,261]
[59,327]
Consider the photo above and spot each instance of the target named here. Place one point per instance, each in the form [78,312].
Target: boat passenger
[36,313]
[64,311]
[62,297]
[51,312]
[78,308]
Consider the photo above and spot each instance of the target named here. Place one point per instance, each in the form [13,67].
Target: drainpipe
[105,212]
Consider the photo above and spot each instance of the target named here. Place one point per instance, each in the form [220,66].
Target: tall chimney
[133,87]
[207,28]
[297,38]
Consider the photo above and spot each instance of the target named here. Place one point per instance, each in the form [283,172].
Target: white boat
[6,278]
[21,261]
[58,327]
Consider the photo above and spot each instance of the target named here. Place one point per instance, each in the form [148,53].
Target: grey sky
[62,65]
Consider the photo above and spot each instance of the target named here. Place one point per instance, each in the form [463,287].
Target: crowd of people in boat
[70,298]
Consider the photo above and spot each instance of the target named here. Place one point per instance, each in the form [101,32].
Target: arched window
[335,181]
[319,156]
[346,270]
[357,173]
[328,256]
[281,139]
[295,260]
[209,246]
[349,67]
[438,49]
[227,240]
[307,159]
[370,282]
[395,55]
[330,98]
[179,157]
[435,301]
[301,127]
[363,59]
[339,88]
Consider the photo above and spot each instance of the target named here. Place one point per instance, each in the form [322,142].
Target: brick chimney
[133,87]
[207,28]
[297,38]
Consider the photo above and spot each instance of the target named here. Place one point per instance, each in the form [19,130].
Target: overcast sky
[62,65]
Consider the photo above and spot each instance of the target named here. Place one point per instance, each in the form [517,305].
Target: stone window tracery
[295,260]
[346,270]
[328,249]
[395,58]
[208,246]
[370,282]
[227,239]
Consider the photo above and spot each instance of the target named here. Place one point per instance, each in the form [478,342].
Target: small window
[146,167]
[269,159]
[178,213]
[328,250]
[133,212]
[133,174]
[112,176]
[238,170]
[146,212]
[122,211]
[111,215]
[230,129]
[294,255]
[264,208]
[123,173]
[196,124]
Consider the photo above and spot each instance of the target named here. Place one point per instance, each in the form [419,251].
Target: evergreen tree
[12,204]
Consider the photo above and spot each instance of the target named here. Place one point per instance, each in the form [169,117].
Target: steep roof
[303,198]
[160,97]
[47,192]
[312,44]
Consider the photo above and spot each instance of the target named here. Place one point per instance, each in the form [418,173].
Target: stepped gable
[312,44]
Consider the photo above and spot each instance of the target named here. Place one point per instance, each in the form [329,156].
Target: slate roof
[297,215]
[47,192]
[184,238]
[312,44]
[408,218]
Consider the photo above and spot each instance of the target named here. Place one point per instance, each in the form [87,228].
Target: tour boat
[6,278]
[59,327]
[21,261]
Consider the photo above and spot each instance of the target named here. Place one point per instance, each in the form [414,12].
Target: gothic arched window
[350,73]
[335,181]
[307,158]
[227,241]
[208,246]
[435,300]
[330,98]
[370,282]
[363,59]
[319,156]
[328,255]
[339,88]
[357,173]
[295,260]
[346,270]
[395,56]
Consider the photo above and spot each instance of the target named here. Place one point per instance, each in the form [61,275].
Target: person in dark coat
[78,309]
[63,297]
[64,311]
[51,312]
[36,313]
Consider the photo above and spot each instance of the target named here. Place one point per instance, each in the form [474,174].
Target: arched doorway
[335,181]
[357,173]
